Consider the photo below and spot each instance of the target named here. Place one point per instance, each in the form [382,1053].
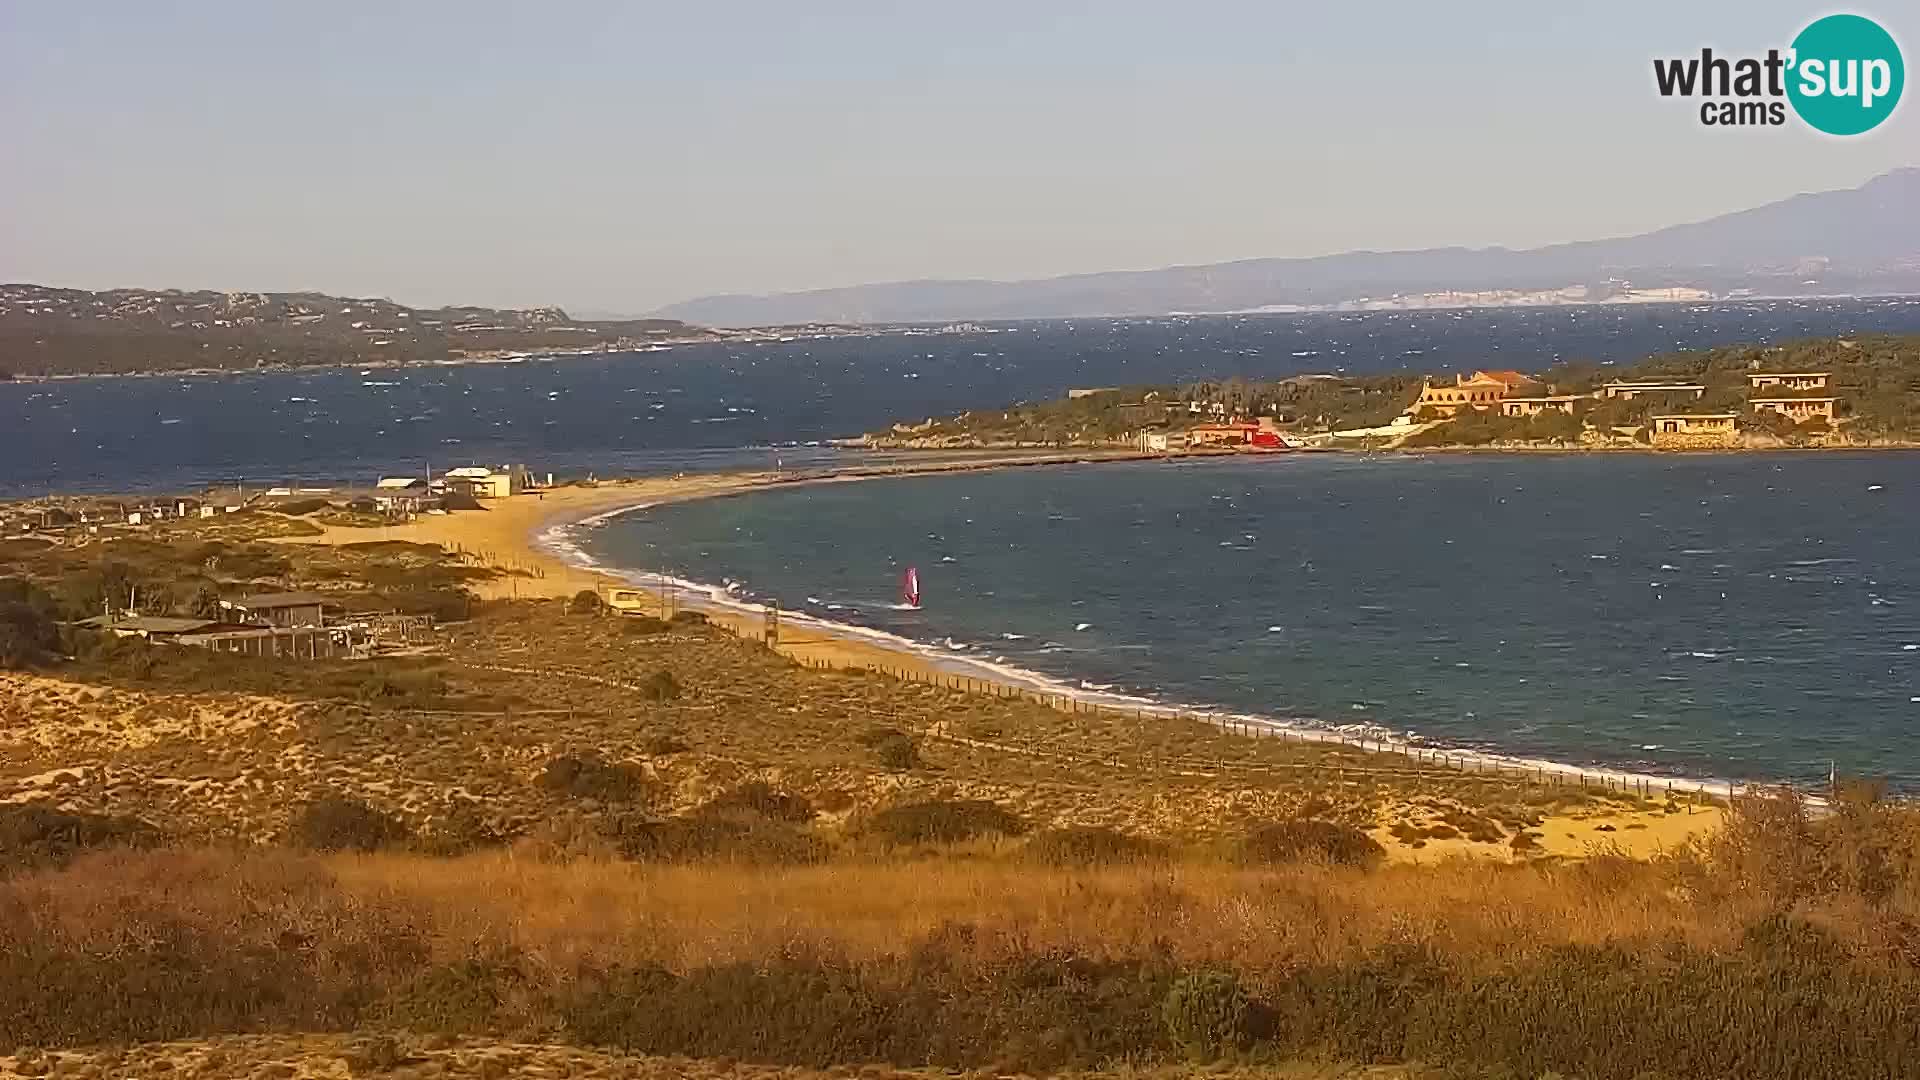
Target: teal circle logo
[1846,74]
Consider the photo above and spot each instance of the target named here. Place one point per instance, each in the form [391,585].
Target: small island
[1826,392]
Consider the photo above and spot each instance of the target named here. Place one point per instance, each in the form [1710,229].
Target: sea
[1710,617]
[728,405]
[1736,617]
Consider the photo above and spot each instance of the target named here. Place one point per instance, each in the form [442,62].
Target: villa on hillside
[1796,409]
[1480,390]
[1534,406]
[1789,380]
[1628,389]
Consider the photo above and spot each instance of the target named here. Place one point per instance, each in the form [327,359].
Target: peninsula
[1838,392]
[46,331]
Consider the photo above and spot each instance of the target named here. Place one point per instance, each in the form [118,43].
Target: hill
[49,331]
[1856,241]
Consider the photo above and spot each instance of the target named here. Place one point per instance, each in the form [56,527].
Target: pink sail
[910,587]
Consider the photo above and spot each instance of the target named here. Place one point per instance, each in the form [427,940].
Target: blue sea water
[693,407]
[1724,616]
[1716,616]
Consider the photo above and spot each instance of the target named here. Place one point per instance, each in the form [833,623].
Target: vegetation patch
[711,838]
[586,776]
[943,822]
[660,686]
[1207,1014]
[337,824]
[32,835]
[1090,845]
[1311,840]
[892,748]
[761,799]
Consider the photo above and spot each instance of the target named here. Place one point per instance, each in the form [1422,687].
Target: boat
[910,588]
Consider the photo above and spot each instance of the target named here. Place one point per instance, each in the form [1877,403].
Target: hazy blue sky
[625,155]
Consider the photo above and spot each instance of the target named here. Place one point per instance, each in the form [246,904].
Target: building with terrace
[1789,380]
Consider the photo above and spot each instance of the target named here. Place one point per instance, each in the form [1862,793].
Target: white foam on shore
[559,540]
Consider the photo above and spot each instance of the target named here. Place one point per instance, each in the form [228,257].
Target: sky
[616,157]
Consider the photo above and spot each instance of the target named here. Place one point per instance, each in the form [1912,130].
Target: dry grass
[585,915]
[335,1057]
[1789,947]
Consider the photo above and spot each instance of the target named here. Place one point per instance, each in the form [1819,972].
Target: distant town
[1613,292]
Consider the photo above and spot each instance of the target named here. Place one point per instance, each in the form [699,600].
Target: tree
[29,633]
[1554,426]
[91,591]
[205,603]
[1772,423]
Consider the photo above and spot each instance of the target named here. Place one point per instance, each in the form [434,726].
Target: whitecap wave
[559,541]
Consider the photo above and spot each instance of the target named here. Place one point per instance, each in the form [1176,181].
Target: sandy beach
[503,534]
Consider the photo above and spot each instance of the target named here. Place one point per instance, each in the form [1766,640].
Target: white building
[488,482]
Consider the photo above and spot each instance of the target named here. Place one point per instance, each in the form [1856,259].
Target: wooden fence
[1420,758]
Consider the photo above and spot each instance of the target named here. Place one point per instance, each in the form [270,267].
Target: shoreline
[530,541]
[883,446]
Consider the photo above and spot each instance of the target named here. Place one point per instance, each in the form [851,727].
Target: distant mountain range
[1863,240]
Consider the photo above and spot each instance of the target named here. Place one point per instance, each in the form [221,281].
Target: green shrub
[1206,1014]
[688,618]
[660,686]
[337,824]
[642,625]
[586,776]
[1090,846]
[943,822]
[401,685]
[584,602]
[461,998]
[460,830]
[706,838]
[29,630]
[1307,840]
[791,1011]
[1029,1012]
[760,798]
[33,835]
[892,748]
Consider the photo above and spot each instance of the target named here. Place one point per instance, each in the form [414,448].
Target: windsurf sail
[910,587]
